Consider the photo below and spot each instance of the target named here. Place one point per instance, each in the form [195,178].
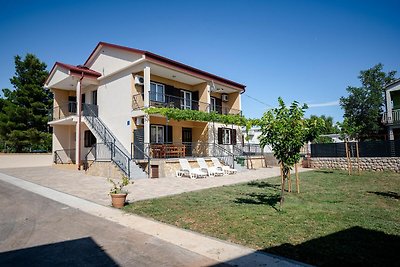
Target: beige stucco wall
[233,101]
[114,100]
[203,95]
[60,102]
[110,60]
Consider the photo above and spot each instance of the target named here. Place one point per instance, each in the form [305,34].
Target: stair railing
[227,157]
[142,152]
[118,156]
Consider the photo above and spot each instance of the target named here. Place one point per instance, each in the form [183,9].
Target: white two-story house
[391,115]
[99,116]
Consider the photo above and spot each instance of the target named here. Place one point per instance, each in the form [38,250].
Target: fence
[365,149]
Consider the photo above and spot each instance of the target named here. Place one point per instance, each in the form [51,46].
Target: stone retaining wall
[104,169]
[366,164]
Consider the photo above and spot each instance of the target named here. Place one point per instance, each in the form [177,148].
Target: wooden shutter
[233,136]
[168,134]
[195,100]
[220,136]
[218,102]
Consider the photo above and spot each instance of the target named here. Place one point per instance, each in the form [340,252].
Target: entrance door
[187,140]
[138,141]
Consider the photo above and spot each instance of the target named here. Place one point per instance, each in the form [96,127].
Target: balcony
[69,109]
[180,103]
[393,118]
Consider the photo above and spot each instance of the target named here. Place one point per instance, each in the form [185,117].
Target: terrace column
[78,125]
[208,92]
[389,108]
[391,135]
[146,101]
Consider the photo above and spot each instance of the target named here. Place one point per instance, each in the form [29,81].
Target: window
[94,97]
[72,104]
[157,92]
[226,136]
[89,139]
[186,101]
[157,134]
[213,104]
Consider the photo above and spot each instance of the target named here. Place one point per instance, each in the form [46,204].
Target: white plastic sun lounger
[211,171]
[226,169]
[187,170]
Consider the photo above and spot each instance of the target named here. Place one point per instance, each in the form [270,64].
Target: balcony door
[187,140]
[186,99]
[157,92]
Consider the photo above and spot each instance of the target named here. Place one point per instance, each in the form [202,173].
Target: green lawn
[336,219]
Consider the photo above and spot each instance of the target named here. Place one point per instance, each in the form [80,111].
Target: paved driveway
[36,231]
[95,188]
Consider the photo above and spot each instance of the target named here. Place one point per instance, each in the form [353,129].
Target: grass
[336,218]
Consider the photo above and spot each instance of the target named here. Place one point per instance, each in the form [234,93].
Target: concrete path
[211,248]
[36,231]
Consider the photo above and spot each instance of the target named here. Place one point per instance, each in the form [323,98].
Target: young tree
[363,107]
[286,130]
[23,120]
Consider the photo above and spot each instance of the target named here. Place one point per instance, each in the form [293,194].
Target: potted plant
[118,193]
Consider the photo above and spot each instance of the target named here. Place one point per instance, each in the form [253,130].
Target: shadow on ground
[388,194]
[355,246]
[263,184]
[260,199]
[78,252]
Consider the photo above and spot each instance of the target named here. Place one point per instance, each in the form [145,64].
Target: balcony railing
[62,111]
[69,109]
[162,100]
[183,149]
[394,117]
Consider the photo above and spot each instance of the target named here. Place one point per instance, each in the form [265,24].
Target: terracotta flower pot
[118,200]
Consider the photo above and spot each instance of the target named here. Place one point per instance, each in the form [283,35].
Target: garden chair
[226,169]
[211,171]
[187,170]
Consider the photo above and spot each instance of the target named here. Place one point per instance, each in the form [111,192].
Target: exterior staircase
[117,152]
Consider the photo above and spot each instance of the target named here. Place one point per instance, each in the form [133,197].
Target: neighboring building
[110,91]
[253,142]
[391,116]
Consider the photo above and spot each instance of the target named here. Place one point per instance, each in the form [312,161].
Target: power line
[259,101]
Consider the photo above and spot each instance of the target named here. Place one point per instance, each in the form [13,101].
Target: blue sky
[308,51]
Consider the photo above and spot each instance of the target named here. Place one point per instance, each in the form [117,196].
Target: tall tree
[286,130]
[363,107]
[23,119]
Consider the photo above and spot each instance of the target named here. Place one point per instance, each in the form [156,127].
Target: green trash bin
[240,161]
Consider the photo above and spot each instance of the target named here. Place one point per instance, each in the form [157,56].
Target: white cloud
[325,104]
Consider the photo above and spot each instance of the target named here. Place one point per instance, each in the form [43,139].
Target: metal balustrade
[62,111]
[64,156]
[390,118]
[181,150]
[117,155]
[162,100]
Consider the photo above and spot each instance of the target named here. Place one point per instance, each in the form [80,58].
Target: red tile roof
[170,62]
[79,69]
